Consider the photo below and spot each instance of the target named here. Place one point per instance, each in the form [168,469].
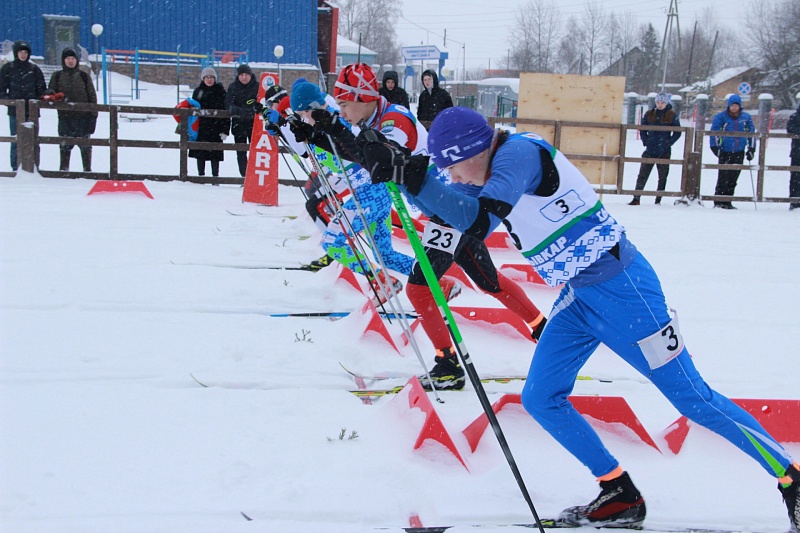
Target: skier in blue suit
[610,295]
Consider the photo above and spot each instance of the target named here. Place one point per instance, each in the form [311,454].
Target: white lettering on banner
[262,159]
[262,174]
[264,142]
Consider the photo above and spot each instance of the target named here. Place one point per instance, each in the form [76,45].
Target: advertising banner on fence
[261,180]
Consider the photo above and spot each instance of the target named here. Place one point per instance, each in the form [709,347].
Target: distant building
[348,52]
[498,97]
[625,66]
[734,80]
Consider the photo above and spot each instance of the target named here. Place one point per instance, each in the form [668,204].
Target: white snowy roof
[346,46]
[512,83]
[720,77]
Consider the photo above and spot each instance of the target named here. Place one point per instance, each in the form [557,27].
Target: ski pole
[394,303]
[461,348]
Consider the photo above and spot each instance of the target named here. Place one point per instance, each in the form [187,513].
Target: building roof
[511,83]
[346,46]
[720,77]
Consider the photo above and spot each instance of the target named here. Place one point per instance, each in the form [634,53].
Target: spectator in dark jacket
[793,126]
[392,91]
[211,95]
[731,150]
[20,79]
[240,101]
[657,144]
[76,86]
[432,100]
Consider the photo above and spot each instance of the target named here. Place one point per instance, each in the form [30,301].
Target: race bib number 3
[441,237]
[664,345]
[562,206]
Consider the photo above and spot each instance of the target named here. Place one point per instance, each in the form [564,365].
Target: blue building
[196,26]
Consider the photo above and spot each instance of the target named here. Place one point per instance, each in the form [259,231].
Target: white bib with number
[441,237]
[664,345]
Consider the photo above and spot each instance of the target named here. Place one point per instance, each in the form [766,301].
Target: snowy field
[109,302]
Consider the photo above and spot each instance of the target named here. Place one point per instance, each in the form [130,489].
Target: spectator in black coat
[793,126]
[20,79]
[74,85]
[211,95]
[657,144]
[392,91]
[432,100]
[240,102]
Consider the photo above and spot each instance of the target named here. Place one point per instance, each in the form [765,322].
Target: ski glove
[715,149]
[303,131]
[327,122]
[750,153]
[223,136]
[387,162]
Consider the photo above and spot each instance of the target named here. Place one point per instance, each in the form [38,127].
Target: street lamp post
[97,30]
[278,51]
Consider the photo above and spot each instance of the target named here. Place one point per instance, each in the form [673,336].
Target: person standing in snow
[357,94]
[392,91]
[731,150]
[20,80]
[657,144]
[240,100]
[793,126]
[432,100]
[74,85]
[610,295]
[211,95]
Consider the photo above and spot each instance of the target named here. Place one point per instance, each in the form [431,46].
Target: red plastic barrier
[525,272]
[433,427]
[613,409]
[773,415]
[376,324]
[495,315]
[103,186]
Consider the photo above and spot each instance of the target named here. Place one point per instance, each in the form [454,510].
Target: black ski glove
[715,149]
[303,131]
[750,153]
[327,122]
[387,162]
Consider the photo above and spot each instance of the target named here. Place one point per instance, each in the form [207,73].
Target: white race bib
[664,345]
[441,237]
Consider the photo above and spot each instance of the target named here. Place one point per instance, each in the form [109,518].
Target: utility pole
[691,55]
[672,14]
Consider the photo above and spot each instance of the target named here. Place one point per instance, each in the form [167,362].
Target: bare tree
[371,22]
[570,54]
[533,36]
[593,26]
[775,44]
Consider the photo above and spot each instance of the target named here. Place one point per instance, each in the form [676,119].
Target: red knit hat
[357,83]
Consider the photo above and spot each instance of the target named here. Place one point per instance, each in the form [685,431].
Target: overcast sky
[482,24]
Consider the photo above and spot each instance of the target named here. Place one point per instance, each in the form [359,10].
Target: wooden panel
[569,97]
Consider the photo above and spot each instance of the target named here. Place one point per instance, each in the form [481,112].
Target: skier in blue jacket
[611,295]
[731,150]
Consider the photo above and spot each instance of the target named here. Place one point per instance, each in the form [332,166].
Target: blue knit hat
[298,81]
[458,133]
[306,96]
[662,97]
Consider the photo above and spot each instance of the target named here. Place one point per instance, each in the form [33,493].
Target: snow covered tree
[644,73]
[374,22]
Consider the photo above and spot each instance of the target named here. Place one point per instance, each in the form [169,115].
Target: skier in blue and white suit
[611,295]
[373,198]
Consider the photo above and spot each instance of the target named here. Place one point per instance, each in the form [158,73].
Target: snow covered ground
[109,302]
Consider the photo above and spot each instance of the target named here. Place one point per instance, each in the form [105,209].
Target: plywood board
[573,98]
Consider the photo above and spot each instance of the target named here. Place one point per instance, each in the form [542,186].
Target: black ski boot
[619,506]
[318,264]
[791,497]
[446,374]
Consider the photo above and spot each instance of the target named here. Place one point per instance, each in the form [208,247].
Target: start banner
[261,180]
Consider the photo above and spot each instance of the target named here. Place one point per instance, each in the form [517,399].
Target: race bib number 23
[441,237]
